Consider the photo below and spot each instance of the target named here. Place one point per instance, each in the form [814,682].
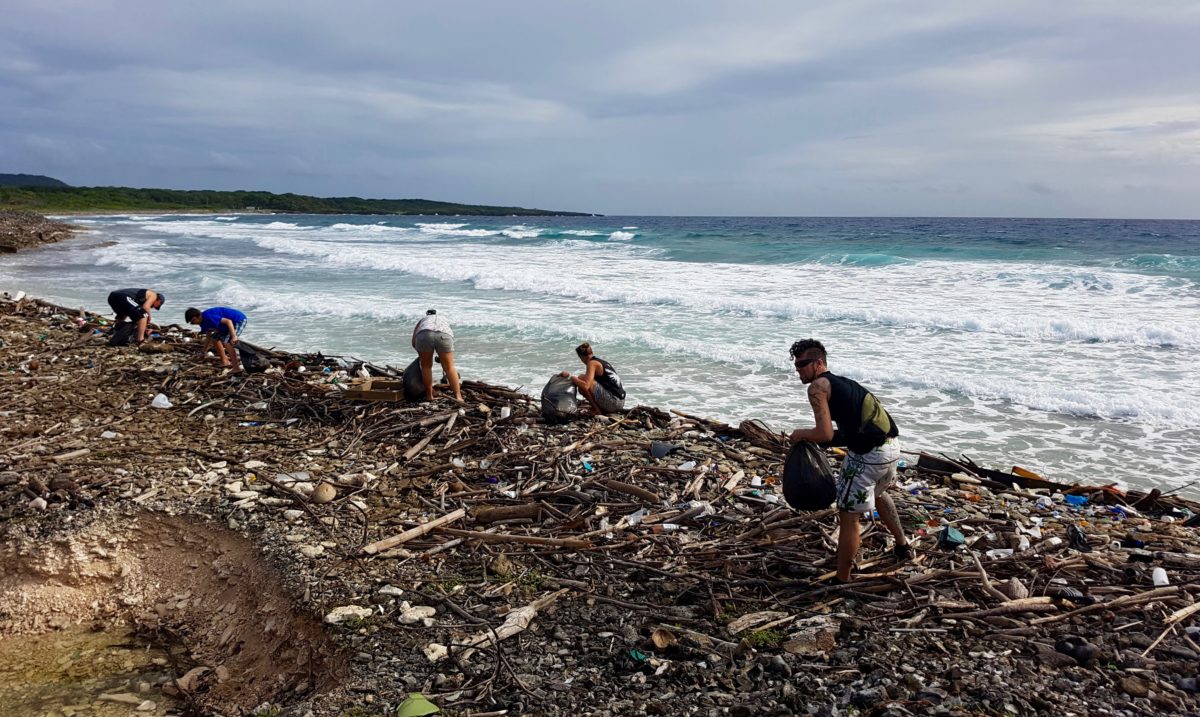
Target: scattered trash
[161,401]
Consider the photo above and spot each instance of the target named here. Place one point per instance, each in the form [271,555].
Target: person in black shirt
[600,384]
[135,304]
[869,435]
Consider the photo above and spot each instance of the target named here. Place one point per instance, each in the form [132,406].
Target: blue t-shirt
[211,320]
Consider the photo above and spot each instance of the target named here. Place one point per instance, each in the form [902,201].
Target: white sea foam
[1031,362]
[621,236]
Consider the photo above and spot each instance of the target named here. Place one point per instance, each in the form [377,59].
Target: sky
[672,107]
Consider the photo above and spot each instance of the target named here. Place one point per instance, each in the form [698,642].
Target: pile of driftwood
[669,516]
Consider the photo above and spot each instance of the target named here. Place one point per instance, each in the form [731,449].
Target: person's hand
[796,435]
[233,341]
[565,374]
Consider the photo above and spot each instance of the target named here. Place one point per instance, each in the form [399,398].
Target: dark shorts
[124,306]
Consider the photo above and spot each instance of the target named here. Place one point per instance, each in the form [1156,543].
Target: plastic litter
[950,538]
[1077,539]
[1159,576]
[161,401]
[1076,500]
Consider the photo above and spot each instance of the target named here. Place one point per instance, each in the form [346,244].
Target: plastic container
[1076,500]
[1159,577]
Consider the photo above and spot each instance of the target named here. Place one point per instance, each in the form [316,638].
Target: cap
[431,312]
[162,298]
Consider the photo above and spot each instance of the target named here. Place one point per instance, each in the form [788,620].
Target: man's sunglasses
[801,363]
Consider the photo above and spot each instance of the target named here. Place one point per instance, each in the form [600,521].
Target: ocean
[1068,347]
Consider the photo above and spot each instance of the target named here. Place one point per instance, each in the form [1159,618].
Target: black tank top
[609,379]
[863,424]
[138,295]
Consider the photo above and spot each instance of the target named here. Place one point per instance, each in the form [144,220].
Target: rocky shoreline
[24,230]
[392,543]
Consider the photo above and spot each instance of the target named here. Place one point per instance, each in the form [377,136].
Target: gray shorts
[430,341]
[607,402]
[866,475]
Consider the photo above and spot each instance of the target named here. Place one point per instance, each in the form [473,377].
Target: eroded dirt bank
[621,583]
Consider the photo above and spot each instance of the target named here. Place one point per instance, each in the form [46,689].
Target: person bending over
[135,305]
[222,325]
[869,435]
[433,333]
[599,384]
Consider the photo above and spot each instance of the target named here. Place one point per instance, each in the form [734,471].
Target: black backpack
[252,361]
[807,478]
[122,334]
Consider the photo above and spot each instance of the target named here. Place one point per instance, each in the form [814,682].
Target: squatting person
[135,305]
[433,333]
[869,435]
[599,384]
[222,325]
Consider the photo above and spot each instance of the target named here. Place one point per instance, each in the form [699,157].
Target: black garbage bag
[560,400]
[807,478]
[252,361]
[414,382]
[122,334]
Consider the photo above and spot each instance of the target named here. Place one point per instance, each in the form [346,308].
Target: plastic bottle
[1159,576]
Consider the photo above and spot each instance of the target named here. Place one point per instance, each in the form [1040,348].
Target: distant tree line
[85,199]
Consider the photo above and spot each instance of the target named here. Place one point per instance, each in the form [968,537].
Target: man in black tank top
[869,433]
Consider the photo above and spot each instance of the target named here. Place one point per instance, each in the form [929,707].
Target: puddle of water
[80,673]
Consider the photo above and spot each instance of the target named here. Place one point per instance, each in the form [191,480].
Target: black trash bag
[414,383]
[560,400]
[807,478]
[252,361]
[122,334]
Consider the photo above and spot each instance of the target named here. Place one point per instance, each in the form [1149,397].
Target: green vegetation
[125,199]
[766,638]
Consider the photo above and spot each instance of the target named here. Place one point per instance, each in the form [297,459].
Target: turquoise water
[1066,346]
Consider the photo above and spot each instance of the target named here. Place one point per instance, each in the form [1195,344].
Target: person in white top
[432,333]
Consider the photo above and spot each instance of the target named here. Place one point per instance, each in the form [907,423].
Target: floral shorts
[866,475]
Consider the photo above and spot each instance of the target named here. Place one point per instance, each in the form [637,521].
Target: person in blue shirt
[223,326]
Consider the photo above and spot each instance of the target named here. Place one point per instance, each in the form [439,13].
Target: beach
[275,543]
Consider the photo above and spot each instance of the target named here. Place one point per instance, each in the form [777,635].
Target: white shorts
[866,475]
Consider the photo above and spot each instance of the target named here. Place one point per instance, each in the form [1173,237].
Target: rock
[338,615]
[932,695]
[1134,686]
[434,652]
[816,636]
[312,551]
[252,465]
[147,706]
[323,493]
[1188,684]
[391,590]
[293,515]
[412,614]
[865,699]
[38,503]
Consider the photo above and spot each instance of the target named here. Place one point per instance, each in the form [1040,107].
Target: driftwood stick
[526,539]
[633,490]
[1034,604]
[414,532]
[412,452]
[986,581]
[491,514]
[515,621]
[1119,602]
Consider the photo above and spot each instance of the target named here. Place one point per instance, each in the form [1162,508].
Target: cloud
[680,106]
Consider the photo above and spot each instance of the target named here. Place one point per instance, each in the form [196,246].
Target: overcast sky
[979,108]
